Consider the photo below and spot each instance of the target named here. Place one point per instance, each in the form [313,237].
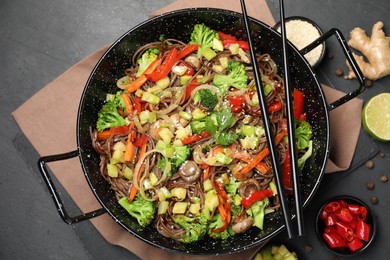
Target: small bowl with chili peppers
[345,225]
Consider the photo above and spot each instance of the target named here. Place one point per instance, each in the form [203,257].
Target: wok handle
[351,60]
[53,191]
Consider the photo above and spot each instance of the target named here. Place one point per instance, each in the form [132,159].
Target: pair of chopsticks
[268,129]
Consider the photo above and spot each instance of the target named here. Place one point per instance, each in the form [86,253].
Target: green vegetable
[140,208]
[195,227]
[236,77]
[303,134]
[180,155]
[302,160]
[256,211]
[208,99]
[108,116]
[180,207]
[146,59]
[216,125]
[216,222]
[232,186]
[204,36]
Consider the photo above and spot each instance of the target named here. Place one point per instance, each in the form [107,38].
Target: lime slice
[376,117]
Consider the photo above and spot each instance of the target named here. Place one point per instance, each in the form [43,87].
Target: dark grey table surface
[40,39]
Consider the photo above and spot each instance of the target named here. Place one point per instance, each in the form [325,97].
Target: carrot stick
[128,104]
[262,168]
[153,66]
[103,135]
[132,193]
[136,84]
[222,210]
[129,152]
[206,171]
[217,150]
[260,156]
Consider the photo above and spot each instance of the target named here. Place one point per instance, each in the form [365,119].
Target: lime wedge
[376,117]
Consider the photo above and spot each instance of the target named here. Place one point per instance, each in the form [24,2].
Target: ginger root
[376,49]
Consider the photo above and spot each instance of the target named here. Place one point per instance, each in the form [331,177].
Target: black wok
[179,24]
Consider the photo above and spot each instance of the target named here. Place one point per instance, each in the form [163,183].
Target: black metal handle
[53,191]
[351,60]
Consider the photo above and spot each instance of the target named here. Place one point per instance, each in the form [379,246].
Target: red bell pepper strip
[138,104]
[256,196]
[196,137]
[330,220]
[236,100]
[190,87]
[140,141]
[165,67]
[116,130]
[274,106]
[224,37]
[332,207]
[333,239]
[363,230]
[355,245]
[242,44]
[343,214]
[298,100]
[187,50]
[345,231]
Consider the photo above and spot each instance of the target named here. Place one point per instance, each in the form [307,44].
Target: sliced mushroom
[193,61]
[154,129]
[248,187]
[189,171]
[242,225]
[178,121]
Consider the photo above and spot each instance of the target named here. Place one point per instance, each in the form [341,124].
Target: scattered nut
[374,200]
[381,154]
[330,55]
[384,178]
[308,248]
[339,72]
[370,185]
[370,164]
[369,83]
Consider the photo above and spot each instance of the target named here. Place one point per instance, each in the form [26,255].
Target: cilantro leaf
[225,119]
[226,138]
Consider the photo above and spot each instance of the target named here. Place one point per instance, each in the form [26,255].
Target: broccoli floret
[208,99]
[236,77]
[205,37]
[198,126]
[303,134]
[140,208]
[235,209]
[108,116]
[119,100]
[195,227]
[257,212]
[302,160]
[232,186]
[180,155]
[146,59]
[216,222]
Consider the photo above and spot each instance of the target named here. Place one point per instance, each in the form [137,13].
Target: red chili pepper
[165,67]
[345,231]
[330,220]
[298,100]
[363,230]
[333,239]
[343,204]
[353,224]
[274,106]
[355,245]
[242,44]
[324,214]
[286,172]
[224,37]
[343,214]
[189,71]
[187,50]
[362,214]
[190,87]
[332,207]
[194,138]
[256,196]
[140,141]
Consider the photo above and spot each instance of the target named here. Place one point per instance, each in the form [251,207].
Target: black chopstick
[268,129]
[290,126]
